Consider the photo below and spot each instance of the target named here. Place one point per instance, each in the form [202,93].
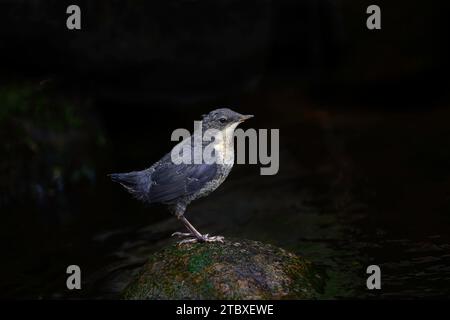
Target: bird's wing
[171,181]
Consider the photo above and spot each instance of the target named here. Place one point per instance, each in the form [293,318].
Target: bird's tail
[137,182]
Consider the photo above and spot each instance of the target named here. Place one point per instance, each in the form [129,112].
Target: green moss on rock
[230,270]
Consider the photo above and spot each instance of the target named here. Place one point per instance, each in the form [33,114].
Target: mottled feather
[171,181]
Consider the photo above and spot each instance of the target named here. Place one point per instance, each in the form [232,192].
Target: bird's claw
[181,234]
[207,238]
[185,241]
[204,238]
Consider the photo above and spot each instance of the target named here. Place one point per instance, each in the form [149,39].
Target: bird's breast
[224,146]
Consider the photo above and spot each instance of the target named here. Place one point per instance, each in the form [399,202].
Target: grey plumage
[165,182]
[176,185]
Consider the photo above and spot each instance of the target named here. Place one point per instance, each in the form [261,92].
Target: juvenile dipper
[178,184]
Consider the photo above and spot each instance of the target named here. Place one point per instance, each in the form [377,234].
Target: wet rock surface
[235,269]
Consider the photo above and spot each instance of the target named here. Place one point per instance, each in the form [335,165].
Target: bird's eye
[223,120]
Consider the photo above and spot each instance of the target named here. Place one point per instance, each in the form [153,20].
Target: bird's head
[223,118]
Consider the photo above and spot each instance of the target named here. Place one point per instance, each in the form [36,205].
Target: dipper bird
[178,184]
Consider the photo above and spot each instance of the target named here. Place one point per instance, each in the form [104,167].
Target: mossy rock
[230,270]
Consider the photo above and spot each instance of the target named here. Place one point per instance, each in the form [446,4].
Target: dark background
[364,137]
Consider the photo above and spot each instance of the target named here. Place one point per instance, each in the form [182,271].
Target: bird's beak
[246,117]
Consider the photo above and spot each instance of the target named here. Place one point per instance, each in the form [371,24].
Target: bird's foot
[204,238]
[207,238]
[181,234]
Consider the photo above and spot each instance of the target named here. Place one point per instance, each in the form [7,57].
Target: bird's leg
[198,236]
[191,228]
[194,235]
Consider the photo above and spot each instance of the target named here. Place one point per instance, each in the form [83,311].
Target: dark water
[356,186]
